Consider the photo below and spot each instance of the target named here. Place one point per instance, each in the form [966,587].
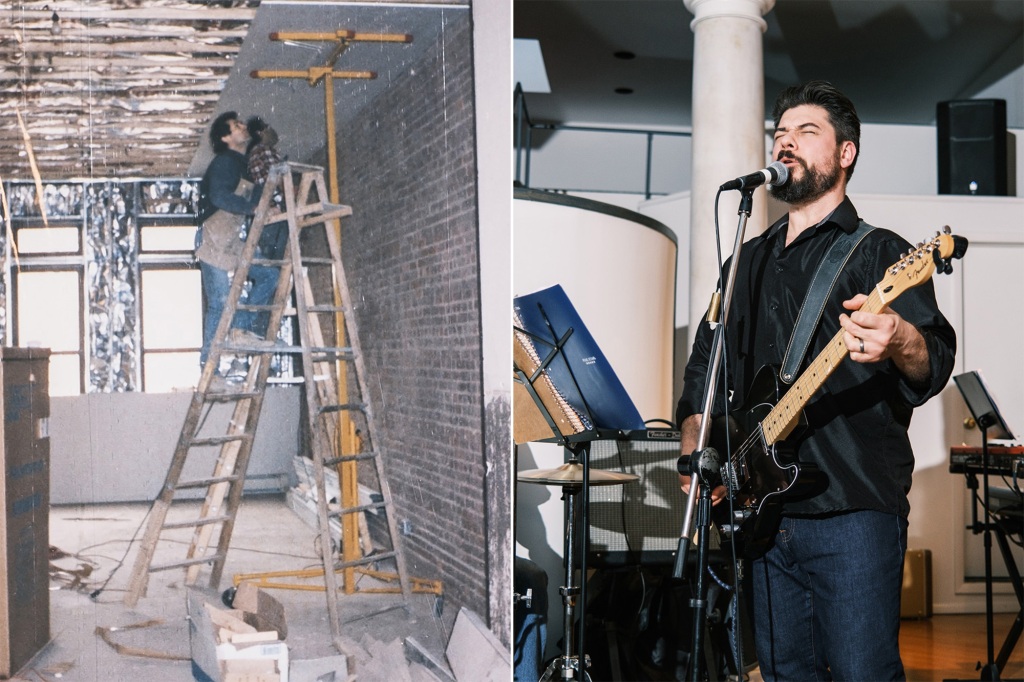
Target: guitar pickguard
[760,474]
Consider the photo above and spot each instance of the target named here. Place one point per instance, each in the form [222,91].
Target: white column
[728,131]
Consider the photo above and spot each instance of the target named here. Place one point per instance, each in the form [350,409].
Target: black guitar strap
[822,283]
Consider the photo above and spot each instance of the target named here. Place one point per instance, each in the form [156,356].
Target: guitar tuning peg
[946,230]
[947,268]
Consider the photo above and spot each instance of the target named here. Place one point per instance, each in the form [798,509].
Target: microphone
[776,175]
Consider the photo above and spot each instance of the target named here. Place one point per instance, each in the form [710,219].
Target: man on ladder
[226,199]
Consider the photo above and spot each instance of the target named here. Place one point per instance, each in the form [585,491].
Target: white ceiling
[895,58]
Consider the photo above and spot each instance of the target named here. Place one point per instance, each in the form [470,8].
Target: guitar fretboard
[784,416]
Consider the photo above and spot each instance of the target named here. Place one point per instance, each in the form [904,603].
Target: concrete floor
[268,536]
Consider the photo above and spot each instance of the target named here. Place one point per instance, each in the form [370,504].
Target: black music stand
[585,381]
[986,414]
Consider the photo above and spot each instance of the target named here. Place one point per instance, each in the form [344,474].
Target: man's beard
[815,183]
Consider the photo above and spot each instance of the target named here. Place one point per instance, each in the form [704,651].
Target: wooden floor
[951,647]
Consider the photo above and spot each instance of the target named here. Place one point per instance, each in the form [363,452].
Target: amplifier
[637,522]
[916,596]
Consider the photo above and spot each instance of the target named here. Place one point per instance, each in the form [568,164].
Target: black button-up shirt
[856,430]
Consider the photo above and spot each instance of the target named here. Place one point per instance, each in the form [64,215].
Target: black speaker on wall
[972,147]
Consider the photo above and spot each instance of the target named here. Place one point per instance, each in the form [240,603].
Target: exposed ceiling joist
[155,11]
[104,82]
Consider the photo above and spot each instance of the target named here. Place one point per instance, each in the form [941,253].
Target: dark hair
[255,125]
[841,112]
[221,128]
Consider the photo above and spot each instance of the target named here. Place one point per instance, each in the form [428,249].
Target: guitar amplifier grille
[638,522]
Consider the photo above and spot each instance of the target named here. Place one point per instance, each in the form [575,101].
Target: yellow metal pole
[348,473]
[348,480]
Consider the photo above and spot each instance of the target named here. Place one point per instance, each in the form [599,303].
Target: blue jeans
[827,599]
[216,285]
[530,627]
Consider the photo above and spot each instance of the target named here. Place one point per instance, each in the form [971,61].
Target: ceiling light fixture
[623,91]
[624,54]
[55,26]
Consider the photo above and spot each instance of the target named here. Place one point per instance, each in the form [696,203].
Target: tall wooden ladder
[319,289]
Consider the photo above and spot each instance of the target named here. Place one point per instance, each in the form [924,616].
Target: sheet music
[562,412]
[581,373]
[982,404]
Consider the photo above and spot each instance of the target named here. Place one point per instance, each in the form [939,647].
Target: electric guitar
[758,472]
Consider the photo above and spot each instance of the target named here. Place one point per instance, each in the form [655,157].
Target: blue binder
[580,372]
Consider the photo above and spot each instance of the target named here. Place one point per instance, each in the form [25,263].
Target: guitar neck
[783,418]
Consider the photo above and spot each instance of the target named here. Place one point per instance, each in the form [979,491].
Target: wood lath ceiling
[113,88]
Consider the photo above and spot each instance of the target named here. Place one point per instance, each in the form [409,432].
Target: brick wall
[411,256]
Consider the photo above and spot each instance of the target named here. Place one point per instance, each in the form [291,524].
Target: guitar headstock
[920,263]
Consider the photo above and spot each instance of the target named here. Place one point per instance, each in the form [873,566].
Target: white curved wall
[619,274]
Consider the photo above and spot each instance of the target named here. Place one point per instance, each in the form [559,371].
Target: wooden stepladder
[222,418]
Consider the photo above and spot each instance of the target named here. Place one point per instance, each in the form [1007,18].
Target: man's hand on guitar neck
[872,337]
[689,430]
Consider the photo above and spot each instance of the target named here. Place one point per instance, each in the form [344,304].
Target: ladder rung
[202,521]
[355,510]
[229,396]
[295,166]
[369,559]
[315,260]
[206,482]
[186,562]
[272,262]
[343,351]
[317,308]
[221,440]
[349,458]
[317,218]
[344,407]
[249,349]
[269,307]
[324,308]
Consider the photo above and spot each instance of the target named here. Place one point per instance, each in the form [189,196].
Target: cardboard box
[227,647]
[916,597]
[261,610]
[245,643]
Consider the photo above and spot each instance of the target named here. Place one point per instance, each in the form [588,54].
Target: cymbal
[571,473]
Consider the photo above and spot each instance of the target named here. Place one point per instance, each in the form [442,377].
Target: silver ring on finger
[861,341]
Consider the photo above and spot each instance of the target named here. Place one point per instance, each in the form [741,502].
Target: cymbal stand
[567,666]
[570,664]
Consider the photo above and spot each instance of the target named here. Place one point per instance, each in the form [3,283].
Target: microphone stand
[703,465]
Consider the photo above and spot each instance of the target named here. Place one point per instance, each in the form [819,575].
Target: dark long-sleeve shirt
[857,422]
[219,183]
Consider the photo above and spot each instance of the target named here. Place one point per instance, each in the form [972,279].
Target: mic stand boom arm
[703,468]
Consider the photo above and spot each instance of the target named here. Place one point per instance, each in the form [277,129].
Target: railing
[524,139]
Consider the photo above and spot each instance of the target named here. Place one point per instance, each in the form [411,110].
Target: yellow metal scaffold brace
[347,470]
